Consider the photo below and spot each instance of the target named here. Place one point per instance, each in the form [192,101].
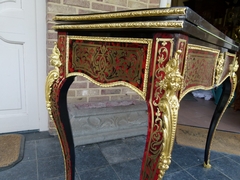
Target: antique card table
[162,54]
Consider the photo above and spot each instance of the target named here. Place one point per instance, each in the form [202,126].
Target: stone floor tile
[118,153]
[181,175]
[48,147]
[88,159]
[30,151]
[199,172]
[50,167]
[129,170]
[101,173]
[228,167]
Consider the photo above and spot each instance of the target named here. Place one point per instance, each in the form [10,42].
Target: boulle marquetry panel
[110,61]
[199,68]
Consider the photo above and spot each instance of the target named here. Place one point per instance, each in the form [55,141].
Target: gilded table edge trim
[129,14]
[124,25]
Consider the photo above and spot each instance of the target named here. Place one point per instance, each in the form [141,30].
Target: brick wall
[82,90]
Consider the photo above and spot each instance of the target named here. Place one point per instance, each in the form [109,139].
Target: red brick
[98,98]
[49,52]
[117,2]
[52,35]
[50,25]
[80,3]
[94,92]
[86,11]
[103,7]
[78,85]
[60,9]
[77,100]
[71,93]
[83,92]
[126,90]
[50,43]
[110,91]
[50,16]
[119,97]
[136,5]
[92,85]
[122,9]
[88,92]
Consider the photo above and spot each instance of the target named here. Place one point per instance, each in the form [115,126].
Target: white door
[21,72]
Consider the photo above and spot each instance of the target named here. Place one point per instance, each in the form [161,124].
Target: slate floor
[115,160]
[121,159]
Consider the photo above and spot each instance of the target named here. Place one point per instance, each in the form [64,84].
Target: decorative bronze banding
[128,14]
[124,25]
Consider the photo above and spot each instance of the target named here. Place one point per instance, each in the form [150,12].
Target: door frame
[41,41]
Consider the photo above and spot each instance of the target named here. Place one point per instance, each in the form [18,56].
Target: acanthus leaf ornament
[234,66]
[52,76]
[219,68]
[167,109]
[233,69]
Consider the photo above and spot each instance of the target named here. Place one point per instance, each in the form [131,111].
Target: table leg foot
[208,165]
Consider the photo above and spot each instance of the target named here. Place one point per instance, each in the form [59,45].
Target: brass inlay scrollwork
[124,25]
[219,68]
[167,110]
[105,65]
[128,14]
[52,76]
[199,69]
[108,63]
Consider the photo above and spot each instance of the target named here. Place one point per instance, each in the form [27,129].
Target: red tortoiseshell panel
[62,40]
[199,68]
[107,62]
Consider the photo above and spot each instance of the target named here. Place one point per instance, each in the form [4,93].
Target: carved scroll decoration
[233,69]
[219,68]
[234,66]
[167,110]
[52,76]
